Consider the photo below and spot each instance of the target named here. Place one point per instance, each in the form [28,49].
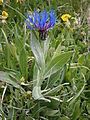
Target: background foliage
[45,80]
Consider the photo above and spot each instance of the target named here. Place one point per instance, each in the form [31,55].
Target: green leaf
[36,93]
[4,77]
[12,48]
[55,89]
[37,51]
[23,63]
[77,95]
[57,63]
[37,81]
[53,79]
[46,46]
[51,112]
[64,118]
[76,110]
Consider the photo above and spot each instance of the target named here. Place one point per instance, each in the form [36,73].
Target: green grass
[44,80]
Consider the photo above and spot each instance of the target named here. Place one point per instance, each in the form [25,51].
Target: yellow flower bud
[1,2]
[65,17]
[4,15]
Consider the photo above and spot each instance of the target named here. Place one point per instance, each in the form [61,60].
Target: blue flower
[41,21]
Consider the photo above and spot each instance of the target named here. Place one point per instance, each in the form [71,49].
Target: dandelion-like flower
[4,15]
[1,2]
[65,17]
[41,21]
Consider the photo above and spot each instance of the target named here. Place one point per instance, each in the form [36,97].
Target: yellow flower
[4,15]
[65,17]
[1,2]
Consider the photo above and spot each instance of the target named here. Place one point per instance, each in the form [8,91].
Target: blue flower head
[41,21]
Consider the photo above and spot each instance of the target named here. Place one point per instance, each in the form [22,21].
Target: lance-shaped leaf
[37,51]
[23,63]
[4,77]
[57,63]
[37,81]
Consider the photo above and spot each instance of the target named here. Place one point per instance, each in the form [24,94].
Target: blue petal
[28,24]
[36,19]
[41,21]
[31,19]
[52,18]
[44,17]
